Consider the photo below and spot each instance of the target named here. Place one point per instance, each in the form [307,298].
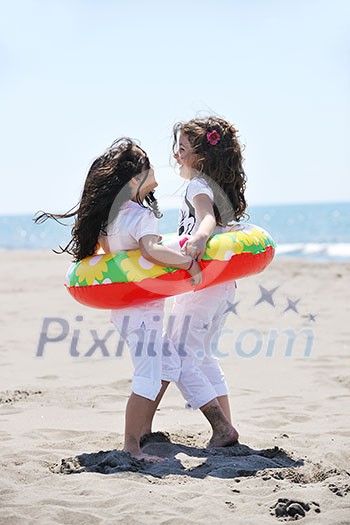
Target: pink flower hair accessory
[213,137]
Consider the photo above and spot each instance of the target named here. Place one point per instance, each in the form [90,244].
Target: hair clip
[213,137]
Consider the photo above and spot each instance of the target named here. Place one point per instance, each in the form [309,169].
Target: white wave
[339,250]
[335,251]
[315,249]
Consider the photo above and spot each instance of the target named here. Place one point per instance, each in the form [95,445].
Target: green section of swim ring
[132,267]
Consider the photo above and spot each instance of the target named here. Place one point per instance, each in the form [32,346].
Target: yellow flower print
[92,268]
[138,268]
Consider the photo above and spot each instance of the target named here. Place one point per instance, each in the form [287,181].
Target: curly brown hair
[106,189]
[220,162]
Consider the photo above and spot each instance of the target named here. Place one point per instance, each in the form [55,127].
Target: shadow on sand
[226,462]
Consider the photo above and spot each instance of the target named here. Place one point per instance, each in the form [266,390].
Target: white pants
[153,356]
[198,317]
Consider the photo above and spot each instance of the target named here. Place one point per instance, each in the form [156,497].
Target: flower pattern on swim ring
[131,266]
[94,269]
[137,268]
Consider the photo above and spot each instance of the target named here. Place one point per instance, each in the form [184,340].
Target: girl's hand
[196,273]
[164,256]
[195,247]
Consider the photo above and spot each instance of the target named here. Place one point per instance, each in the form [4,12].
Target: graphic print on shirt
[187,218]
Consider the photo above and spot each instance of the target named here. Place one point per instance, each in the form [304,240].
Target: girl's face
[185,157]
[149,183]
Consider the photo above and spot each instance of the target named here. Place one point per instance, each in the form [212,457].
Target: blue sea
[310,231]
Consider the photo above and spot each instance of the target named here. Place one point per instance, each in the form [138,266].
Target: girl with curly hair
[210,159]
[112,215]
[209,156]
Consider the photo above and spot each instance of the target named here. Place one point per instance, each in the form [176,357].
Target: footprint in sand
[293,509]
[339,490]
[10,397]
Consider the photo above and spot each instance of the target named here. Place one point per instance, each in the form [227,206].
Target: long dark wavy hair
[220,164]
[106,189]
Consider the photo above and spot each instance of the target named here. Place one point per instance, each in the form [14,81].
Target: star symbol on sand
[266,296]
[205,326]
[312,317]
[231,307]
[292,305]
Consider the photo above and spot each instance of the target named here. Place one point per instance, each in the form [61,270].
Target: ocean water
[312,231]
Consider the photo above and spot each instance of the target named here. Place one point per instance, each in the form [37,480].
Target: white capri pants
[198,317]
[154,358]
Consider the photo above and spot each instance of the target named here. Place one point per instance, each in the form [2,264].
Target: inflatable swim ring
[119,280]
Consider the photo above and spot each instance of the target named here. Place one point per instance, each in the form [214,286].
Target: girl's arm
[164,256]
[196,244]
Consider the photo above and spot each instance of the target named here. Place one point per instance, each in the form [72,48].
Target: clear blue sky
[76,74]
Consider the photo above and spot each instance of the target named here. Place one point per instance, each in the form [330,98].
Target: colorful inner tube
[124,279]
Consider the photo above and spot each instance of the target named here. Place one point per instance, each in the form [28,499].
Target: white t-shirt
[188,223]
[131,224]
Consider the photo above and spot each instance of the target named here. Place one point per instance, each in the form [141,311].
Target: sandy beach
[62,408]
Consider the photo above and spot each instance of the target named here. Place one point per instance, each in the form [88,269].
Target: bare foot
[224,439]
[145,457]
